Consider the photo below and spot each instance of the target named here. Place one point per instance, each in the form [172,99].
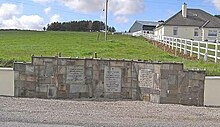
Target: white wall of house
[212,91]
[188,32]
[6,81]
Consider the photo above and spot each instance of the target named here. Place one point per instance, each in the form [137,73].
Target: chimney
[184,10]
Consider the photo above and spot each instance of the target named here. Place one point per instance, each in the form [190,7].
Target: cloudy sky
[35,14]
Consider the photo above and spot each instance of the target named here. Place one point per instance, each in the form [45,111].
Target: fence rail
[202,49]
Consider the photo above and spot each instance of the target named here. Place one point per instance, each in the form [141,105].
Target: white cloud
[216,3]
[10,19]
[126,7]
[55,18]
[118,7]
[7,11]
[121,19]
[122,8]
[85,6]
[34,22]
[42,1]
[47,10]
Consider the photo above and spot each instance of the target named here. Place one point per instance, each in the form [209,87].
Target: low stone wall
[66,78]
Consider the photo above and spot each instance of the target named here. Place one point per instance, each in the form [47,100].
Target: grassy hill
[20,45]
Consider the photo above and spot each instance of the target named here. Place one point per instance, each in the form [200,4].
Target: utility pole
[106,19]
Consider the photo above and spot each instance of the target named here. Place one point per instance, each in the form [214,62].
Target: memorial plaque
[75,74]
[112,79]
[146,78]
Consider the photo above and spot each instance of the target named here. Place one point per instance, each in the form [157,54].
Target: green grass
[20,45]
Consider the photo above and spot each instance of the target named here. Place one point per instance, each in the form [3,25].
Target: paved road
[19,112]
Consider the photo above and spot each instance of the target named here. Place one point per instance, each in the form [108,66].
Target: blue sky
[34,14]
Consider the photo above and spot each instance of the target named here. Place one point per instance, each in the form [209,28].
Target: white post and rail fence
[202,49]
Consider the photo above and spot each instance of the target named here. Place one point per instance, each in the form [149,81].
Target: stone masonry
[68,78]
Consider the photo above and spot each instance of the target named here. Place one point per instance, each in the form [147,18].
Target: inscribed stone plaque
[112,79]
[75,74]
[146,78]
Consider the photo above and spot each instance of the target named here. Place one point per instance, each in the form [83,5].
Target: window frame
[212,33]
[175,30]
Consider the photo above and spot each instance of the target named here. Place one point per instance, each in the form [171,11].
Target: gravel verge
[42,112]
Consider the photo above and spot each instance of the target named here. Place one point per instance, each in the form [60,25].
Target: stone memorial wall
[68,78]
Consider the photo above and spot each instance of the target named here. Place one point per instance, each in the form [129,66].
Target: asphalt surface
[20,112]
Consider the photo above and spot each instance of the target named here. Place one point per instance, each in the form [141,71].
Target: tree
[44,28]
[85,26]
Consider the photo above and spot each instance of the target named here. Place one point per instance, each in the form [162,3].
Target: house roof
[148,23]
[195,17]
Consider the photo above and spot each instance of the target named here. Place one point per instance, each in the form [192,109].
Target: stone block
[42,88]
[61,69]
[52,92]
[89,63]
[41,95]
[30,69]
[30,85]
[22,77]
[60,79]
[70,62]
[30,94]
[89,72]
[49,60]
[157,68]
[19,83]
[103,64]
[62,94]
[126,93]
[116,63]
[62,62]
[134,94]
[150,66]
[62,87]
[164,74]
[19,67]
[172,79]
[113,95]
[145,97]
[16,75]
[193,83]
[49,70]
[80,88]
[165,66]
[31,78]
[44,80]
[75,74]
[198,76]
[177,67]
[154,98]
[98,89]
[134,83]
[80,62]
[127,85]
[38,61]
[95,75]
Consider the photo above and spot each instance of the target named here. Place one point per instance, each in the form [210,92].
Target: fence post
[206,51]
[191,51]
[172,42]
[185,47]
[176,44]
[198,50]
[216,51]
[181,45]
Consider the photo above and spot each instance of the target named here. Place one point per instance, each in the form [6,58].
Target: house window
[212,33]
[175,30]
[196,32]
